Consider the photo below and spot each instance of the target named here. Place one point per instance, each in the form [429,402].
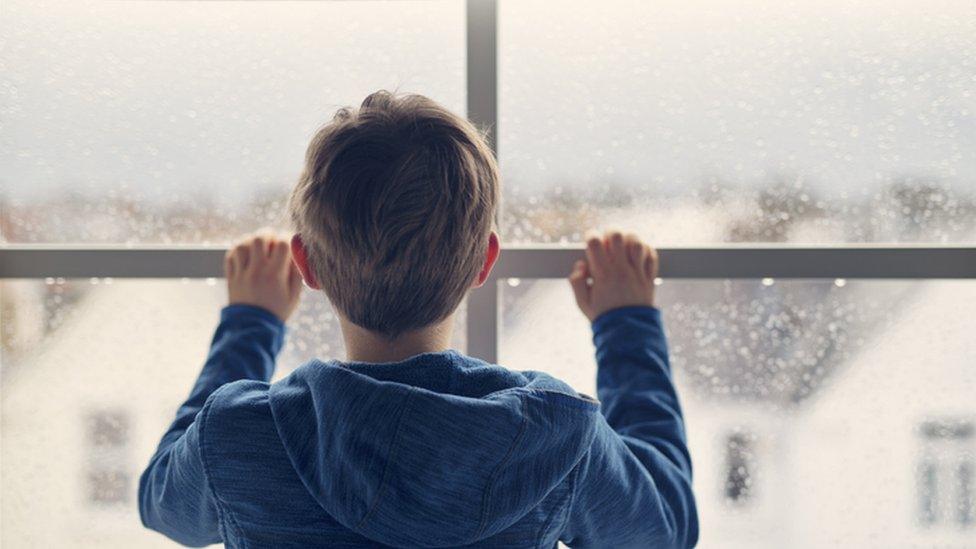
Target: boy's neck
[365,346]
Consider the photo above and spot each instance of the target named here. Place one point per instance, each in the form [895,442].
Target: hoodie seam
[222,510]
[394,447]
[556,398]
[486,498]
[570,498]
[561,509]
[567,400]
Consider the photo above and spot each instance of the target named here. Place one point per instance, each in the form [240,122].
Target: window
[928,493]
[966,513]
[703,122]
[801,399]
[108,429]
[945,484]
[88,393]
[158,122]
[115,117]
[739,468]
[108,475]
[694,124]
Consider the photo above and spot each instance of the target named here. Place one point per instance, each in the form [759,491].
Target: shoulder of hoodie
[553,390]
[238,439]
[236,408]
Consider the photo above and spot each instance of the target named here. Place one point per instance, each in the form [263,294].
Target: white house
[838,469]
[81,417]
[880,457]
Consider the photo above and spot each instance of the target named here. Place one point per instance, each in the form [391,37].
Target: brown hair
[395,206]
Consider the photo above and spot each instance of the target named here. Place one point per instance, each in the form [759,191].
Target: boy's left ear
[299,255]
[491,255]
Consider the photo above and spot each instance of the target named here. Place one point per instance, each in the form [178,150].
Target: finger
[635,252]
[636,256]
[242,256]
[581,290]
[596,255]
[259,247]
[279,253]
[614,242]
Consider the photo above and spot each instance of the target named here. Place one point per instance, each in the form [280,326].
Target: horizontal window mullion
[736,261]
[733,261]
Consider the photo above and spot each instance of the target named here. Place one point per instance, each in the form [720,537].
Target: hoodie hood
[438,450]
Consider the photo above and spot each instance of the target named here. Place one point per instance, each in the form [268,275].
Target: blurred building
[84,410]
[877,453]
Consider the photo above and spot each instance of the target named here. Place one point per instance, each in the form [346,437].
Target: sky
[840,94]
[161,100]
[156,98]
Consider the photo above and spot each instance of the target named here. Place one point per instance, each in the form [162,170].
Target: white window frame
[866,261]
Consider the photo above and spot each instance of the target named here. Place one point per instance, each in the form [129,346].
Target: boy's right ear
[491,254]
[299,254]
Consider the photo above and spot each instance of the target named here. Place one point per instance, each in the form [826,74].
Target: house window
[966,513]
[928,496]
[107,476]
[739,468]
[108,486]
[108,429]
[945,474]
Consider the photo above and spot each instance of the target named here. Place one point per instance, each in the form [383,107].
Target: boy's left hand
[260,272]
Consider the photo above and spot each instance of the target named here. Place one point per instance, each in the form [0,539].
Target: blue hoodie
[438,450]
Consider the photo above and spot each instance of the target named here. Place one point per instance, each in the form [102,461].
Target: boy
[409,443]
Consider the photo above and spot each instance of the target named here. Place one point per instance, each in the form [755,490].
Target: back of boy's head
[395,206]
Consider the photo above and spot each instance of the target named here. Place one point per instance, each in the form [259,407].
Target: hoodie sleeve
[175,496]
[633,487]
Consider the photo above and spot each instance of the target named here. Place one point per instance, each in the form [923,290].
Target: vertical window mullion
[482,103]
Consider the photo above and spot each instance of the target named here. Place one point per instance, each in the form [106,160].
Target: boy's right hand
[619,270]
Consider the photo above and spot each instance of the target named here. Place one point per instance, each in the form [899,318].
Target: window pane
[809,404]
[703,122]
[188,121]
[92,374]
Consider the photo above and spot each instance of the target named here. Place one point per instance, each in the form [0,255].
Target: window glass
[188,121]
[945,487]
[966,506]
[739,468]
[705,121]
[819,413]
[92,374]
[109,479]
